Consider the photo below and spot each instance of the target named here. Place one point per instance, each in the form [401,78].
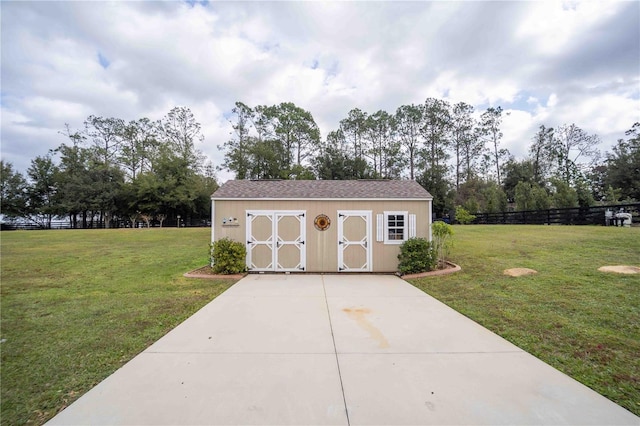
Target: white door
[260,241]
[290,253]
[354,241]
[276,240]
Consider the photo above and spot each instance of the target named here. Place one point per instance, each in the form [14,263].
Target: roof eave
[319,199]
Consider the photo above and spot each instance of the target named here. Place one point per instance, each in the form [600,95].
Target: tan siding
[321,246]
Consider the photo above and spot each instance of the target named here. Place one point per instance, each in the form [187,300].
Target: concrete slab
[407,325]
[260,324]
[469,388]
[357,285]
[274,349]
[214,389]
[275,285]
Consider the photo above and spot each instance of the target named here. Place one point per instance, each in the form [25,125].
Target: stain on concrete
[359,316]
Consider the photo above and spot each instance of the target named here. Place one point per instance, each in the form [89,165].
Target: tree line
[454,153]
[112,170]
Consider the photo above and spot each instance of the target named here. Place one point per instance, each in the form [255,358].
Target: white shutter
[380,227]
[412,225]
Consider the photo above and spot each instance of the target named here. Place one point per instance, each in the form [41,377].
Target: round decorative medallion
[322,222]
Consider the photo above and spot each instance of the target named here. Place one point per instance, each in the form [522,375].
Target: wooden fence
[594,215]
[65,224]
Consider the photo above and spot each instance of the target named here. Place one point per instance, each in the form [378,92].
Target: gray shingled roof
[305,189]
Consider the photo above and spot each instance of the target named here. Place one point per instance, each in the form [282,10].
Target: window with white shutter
[396,227]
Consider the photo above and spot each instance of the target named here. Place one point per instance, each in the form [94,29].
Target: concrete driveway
[336,350]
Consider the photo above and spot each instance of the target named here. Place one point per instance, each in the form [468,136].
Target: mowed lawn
[581,321]
[77,304]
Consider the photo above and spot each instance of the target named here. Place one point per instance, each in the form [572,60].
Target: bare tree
[181,131]
[105,133]
[571,148]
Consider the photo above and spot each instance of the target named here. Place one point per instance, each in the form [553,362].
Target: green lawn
[583,322]
[78,304]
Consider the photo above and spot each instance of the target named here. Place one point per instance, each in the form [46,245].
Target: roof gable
[318,189]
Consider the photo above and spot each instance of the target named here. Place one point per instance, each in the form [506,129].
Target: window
[395,227]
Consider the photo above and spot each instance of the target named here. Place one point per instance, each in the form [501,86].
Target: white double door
[276,240]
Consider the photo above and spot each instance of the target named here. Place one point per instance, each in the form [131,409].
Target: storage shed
[321,225]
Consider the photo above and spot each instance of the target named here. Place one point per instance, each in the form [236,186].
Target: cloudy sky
[544,62]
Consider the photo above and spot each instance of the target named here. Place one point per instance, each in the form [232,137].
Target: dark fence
[594,215]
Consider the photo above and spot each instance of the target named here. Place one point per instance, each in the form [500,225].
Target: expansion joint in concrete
[335,350]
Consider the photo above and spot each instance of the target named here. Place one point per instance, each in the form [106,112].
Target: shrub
[416,255]
[463,216]
[442,233]
[228,257]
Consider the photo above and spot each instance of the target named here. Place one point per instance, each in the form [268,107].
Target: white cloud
[518,129]
[551,26]
[542,61]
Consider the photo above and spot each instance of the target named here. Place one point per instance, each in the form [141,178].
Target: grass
[77,305]
[583,322]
